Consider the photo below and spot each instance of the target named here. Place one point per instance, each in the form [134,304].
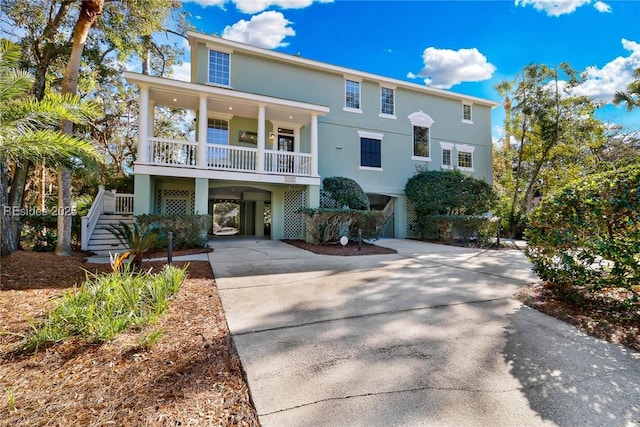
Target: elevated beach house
[270,126]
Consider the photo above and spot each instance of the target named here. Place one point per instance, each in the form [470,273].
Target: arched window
[421,123]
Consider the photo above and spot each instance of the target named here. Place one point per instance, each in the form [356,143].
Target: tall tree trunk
[89,13]
[16,198]
[7,243]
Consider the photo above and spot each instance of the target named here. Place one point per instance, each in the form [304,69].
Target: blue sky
[463,46]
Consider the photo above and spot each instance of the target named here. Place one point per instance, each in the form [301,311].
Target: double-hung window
[218,132]
[447,155]
[352,94]
[465,157]
[370,150]
[467,113]
[218,67]
[387,102]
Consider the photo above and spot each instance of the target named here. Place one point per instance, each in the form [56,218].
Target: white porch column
[202,196]
[262,114]
[314,145]
[259,218]
[143,193]
[143,125]
[203,124]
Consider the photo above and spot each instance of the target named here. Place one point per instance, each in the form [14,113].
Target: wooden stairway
[102,241]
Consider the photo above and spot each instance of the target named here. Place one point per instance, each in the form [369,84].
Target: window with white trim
[447,155]
[217,132]
[465,157]
[352,94]
[370,150]
[387,101]
[421,135]
[467,113]
[219,67]
[420,141]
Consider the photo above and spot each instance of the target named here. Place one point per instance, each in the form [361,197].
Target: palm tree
[503,88]
[28,129]
[632,96]
[90,11]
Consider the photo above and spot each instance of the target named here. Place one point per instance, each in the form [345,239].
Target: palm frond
[49,146]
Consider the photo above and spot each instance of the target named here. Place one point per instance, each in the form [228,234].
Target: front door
[286,143]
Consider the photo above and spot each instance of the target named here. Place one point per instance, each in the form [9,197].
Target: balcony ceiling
[185,95]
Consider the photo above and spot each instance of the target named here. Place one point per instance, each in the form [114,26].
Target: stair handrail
[89,221]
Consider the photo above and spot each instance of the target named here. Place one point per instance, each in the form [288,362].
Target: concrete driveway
[426,337]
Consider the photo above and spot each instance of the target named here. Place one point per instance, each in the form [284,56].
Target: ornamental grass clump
[106,305]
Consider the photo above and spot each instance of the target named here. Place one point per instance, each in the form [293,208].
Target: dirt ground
[192,376]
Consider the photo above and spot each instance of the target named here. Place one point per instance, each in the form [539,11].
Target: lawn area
[191,376]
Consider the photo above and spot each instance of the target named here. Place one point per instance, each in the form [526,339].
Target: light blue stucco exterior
[258,72]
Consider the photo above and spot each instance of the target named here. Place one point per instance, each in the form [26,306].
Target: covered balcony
[280,144]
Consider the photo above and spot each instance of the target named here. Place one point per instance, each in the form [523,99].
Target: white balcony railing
[232,158]
[172,152]
[286,162]
[228,157]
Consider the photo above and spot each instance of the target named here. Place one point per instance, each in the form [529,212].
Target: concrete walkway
[428,336]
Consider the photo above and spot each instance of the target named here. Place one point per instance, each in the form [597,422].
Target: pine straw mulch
[599,315]
[191,376]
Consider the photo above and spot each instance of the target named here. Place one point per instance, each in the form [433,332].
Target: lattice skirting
[175,202]
[412,221]
[293,221]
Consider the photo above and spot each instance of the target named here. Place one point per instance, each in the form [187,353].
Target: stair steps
[102,241]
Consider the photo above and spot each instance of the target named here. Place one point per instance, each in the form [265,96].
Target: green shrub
[587,234]
[328,225]
[346,192]
[107,304]
[189,231]
[449,205]
[449,193]
[463,228]
[40,231]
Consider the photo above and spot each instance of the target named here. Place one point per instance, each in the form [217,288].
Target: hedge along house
[270,126]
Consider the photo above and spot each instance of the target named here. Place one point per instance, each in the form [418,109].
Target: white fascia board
[196,88]
[241,47]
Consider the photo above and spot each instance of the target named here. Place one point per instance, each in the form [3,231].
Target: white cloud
[602,83]
[602,7]
[444,68]
[206,3]
[255,6]
[554,7]
[266,30]
[182,72]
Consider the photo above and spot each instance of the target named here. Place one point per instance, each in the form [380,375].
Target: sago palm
[136,240]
